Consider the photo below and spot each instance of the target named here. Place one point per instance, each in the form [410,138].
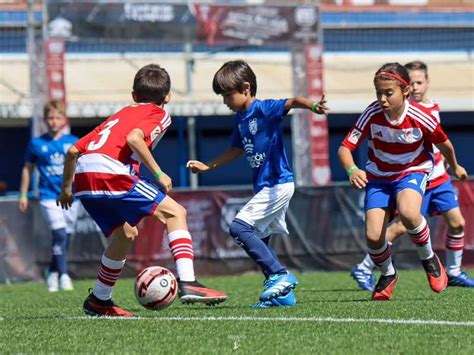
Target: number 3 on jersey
[104,135]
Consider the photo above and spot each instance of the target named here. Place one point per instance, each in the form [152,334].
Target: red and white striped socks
[382,258]
[108,275]
[181,246]
[454,251]
[420,236]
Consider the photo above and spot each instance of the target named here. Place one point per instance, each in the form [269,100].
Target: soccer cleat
[53,282]
[365,279]
[287,300]
[99,308]
[436,274]
[278,285]
[65,283]
[461,280]
[384,288]
[191,292]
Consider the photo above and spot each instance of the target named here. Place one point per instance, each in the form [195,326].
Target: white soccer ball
[156,288]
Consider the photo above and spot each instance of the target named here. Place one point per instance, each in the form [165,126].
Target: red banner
[55,49]
[321,172]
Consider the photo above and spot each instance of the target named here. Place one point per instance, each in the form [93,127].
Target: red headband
[395,76]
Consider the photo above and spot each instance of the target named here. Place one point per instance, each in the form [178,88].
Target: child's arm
[229,155]
[357,177]
[302,102]
[66,198]
[136,141]
[446,148]
[24,185]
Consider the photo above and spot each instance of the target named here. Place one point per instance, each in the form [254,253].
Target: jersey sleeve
[30,156]
[154,125]
[436,136]
[235,139]
[359,130]
[274,109]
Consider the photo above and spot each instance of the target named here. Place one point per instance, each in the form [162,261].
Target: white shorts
[267,209]
[58,218]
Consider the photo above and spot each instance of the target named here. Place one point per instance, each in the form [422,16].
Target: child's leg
[113,260]
[245,236]
[409,206]
[454,241]
[179,239]
[379,249]
[59,251]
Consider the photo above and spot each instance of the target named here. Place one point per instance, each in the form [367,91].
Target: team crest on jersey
[409,135]
[355,136]
[253,127]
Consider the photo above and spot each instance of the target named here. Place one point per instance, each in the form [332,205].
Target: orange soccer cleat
[194,292]
[99,308]
[384,288]
[436,274]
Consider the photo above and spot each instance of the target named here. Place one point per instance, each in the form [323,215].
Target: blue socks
[59,251]
[258,250]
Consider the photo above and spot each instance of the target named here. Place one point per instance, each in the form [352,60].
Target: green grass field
[332,316]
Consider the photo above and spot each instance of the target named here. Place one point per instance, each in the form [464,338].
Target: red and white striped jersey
[439,175]
[396,148]
[107,166]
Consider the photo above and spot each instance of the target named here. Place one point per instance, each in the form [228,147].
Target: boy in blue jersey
[47,154]
[258,133]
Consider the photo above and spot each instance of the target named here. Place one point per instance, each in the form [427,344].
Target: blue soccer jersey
[48,154]
[258,132]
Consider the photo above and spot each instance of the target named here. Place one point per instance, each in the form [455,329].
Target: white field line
[275,319]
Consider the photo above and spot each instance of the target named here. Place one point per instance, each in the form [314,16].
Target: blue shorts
[111,213]
[440,199]
[382,194]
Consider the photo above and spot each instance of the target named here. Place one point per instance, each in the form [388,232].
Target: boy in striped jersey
[105,166]
[401,134]
[440,197]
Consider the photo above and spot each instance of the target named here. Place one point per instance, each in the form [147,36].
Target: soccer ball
[156,288]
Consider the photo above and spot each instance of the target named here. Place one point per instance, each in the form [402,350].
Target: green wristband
[158,174]
[314,106]
[23,194]
[351,170]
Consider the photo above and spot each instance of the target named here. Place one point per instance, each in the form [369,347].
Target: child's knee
[238,229]
[131,233]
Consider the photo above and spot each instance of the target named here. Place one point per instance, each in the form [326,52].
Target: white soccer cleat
[65,283]
[53,282]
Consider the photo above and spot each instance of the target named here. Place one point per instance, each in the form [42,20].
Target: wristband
[314,106]
[351,170]
[158,174]
[23,194]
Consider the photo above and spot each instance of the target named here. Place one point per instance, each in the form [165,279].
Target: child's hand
[65,199]
[166,182]
[322,109]
[23,204]
[460,173]
[196,166]
[358,179]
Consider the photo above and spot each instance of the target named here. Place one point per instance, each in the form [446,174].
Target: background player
[440,197]
[47,154]
[258,133]
[107,181]
[401,134]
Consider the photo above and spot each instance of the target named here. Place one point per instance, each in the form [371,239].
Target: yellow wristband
[158,174]
[351,170]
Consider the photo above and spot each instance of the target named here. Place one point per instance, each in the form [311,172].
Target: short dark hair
[152,83]
[417,65]
[232,76]
[395,69]
[53,105]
